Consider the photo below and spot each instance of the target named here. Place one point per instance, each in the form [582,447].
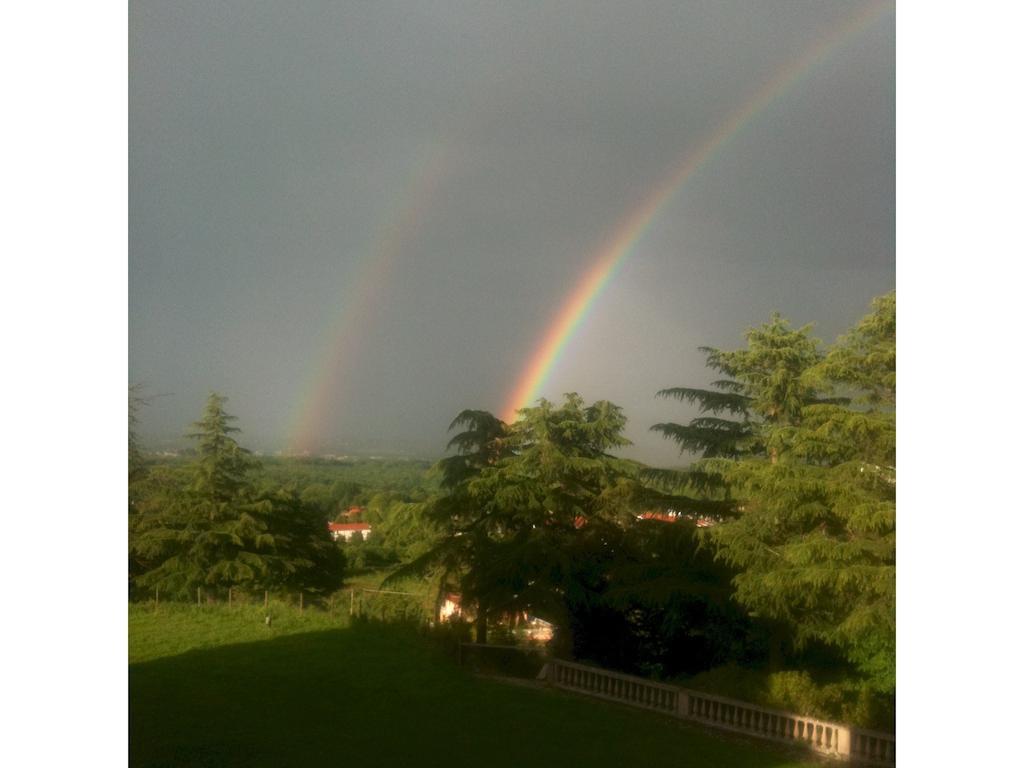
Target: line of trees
[794,480]
[776,546]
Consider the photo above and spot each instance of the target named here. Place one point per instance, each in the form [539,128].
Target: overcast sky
[422,184]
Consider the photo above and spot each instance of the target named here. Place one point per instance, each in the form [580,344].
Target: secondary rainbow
[325,391]
[632,228]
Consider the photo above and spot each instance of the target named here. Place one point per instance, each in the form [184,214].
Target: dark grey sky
[272,145]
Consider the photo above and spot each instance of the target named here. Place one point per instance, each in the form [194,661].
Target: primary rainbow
[325,389]
[608,261]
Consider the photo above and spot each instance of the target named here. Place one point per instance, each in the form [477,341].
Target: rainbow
[631,229]
[325,387]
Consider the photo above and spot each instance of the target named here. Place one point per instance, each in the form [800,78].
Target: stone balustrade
[730,714]
[872,746]
[824,738]
[614,686]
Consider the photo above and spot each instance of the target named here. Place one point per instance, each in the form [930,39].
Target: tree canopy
[782,532]
[218,531]
[529,508]
[812,484]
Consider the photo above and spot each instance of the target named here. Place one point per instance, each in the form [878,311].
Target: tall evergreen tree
[530,509]
[764,385]
[222,471]
[813,527]
[220,532]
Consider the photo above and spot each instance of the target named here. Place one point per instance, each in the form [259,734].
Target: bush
[796,691]
[847,701]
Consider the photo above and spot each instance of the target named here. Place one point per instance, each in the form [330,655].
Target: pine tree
[222,471]
[219,531]
[764,386]
[812,532]
[529,509]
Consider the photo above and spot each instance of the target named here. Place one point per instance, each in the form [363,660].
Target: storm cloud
[276,147]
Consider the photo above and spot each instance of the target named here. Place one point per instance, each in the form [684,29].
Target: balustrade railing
[817,735]
[872,746]
[614,685]
[825,738]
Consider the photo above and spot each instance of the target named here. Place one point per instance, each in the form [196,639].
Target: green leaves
[714,402]
[214,529]
[529,507]
[709,437]
[223,468]
[813,481]
[865,358]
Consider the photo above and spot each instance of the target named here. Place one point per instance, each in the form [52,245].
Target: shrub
[847,701]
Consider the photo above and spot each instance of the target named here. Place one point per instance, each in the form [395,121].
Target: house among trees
[535,630]
[665,517]
[671,516]
[538,631]
[347,530]
[451,607]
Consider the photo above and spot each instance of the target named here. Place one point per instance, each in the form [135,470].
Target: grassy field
[214,686]
[175,628]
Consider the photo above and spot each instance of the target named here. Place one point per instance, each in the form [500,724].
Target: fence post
[229,597]
[683,704]
[352,602]
[843,741]
[266,599]
[300,602]
[199,596]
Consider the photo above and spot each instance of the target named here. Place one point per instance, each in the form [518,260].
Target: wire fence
[382,604]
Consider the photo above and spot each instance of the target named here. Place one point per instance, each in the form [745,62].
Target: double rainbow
[631,229]
[325,389]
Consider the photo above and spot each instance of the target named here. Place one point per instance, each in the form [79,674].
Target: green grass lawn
[214,686]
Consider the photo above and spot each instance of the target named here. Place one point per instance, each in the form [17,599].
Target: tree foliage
[795,472]
[667,607]
[812,484]
[223,468]
[529,509]
[217,531]
[540,517]
[136,462]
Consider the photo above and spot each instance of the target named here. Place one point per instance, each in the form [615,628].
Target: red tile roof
[663,516]
[348,526]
